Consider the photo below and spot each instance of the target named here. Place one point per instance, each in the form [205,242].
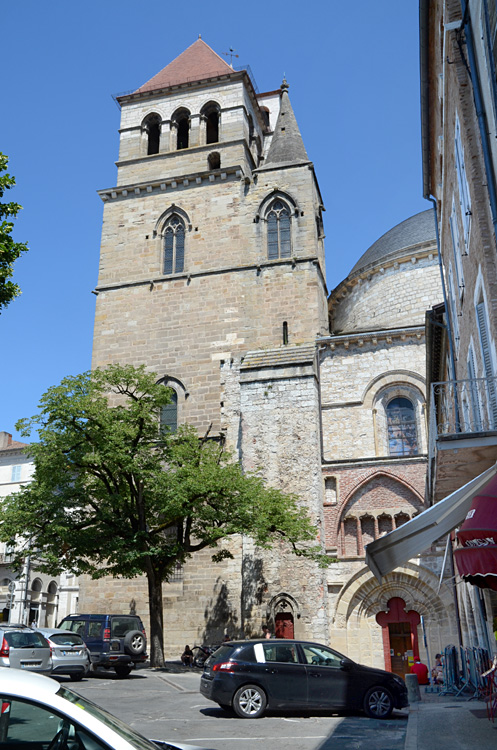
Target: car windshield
[23,639]
[66,639]
[122,729]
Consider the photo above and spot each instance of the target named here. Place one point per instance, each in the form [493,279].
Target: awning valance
[389,551]
[476,557]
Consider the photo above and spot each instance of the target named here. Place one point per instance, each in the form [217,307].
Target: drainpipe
[480,110]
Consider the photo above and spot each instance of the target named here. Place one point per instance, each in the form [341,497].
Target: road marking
[258,739]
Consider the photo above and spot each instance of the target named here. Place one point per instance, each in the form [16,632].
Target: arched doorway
[282,612]
[400,636]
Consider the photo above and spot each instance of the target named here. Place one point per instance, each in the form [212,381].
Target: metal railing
[462,406]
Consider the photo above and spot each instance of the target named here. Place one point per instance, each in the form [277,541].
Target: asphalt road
[168,705]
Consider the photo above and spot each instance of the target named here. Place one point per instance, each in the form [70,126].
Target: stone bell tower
[212,250]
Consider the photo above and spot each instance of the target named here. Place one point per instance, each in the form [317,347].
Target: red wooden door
[283,625]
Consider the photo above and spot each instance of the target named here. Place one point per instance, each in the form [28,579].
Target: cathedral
[212,274]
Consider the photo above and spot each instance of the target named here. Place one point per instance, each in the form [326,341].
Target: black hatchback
[252,676]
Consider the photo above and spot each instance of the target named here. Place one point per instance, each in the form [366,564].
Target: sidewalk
[448,723]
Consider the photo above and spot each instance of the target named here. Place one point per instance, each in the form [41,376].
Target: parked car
[115,642]
[252,676]
[24,648]
[69,653]
[38,712]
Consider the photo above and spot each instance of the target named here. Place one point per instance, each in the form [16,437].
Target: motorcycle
[201,654]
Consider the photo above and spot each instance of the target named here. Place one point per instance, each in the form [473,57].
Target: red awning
[476,557]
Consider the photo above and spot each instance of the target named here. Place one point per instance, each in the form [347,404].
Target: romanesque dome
[412,231]
[393,283]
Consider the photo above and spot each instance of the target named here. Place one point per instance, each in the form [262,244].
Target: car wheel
[249,702]
[135,643]
[122,670]
[378,703]
[76,677]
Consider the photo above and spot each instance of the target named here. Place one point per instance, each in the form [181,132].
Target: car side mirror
[346,664]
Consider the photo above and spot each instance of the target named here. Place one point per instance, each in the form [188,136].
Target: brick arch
[349,500]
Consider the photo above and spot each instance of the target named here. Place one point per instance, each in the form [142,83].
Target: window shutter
[473,391]
[487,361]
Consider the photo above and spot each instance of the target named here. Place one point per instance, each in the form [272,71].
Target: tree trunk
[156,618]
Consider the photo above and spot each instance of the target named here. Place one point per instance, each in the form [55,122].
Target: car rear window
[227,652]
[122,625]
[21,639]
[66,639]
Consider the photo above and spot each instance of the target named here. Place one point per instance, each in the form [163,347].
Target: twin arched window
[401,427]
[278,230]
[174,245]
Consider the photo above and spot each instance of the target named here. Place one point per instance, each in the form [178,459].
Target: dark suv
[115,641]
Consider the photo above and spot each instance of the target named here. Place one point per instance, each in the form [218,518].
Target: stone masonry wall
[387,296]
[351,379]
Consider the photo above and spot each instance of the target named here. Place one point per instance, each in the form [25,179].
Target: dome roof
[418,228]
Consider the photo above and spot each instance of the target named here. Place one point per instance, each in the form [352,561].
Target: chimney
[5,440]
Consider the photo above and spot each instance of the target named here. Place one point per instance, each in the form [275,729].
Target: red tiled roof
[197,62]
[14,445]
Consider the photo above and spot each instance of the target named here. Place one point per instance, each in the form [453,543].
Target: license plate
[28,664]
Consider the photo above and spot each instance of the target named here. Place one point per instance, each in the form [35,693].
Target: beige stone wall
[352,381]
[392,294]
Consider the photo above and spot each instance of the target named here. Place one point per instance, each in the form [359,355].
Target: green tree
[113,494]
[9,250]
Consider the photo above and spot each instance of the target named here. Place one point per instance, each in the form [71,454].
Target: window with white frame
[485,343]
[456,246]
[464,197]
[474,419]
[16,474]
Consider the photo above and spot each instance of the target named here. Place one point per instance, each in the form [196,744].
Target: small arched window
[181,121]
[169,415]
[401,426]
[212,127]
[278,231]
[152,128]
[174,245]
[214,160]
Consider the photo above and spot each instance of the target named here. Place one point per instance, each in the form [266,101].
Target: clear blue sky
[353,72]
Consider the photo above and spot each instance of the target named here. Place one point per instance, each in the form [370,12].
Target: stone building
[212,274]
[459,129]
[29,596]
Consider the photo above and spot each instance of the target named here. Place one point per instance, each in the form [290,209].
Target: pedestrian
[437,673]
[266,633]
[421,671]
[187,656]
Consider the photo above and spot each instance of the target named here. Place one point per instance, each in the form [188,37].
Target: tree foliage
[113,494]
[9,250]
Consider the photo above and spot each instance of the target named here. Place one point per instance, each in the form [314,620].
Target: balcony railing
[462,407]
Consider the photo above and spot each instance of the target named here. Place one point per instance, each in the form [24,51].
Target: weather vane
[231,55]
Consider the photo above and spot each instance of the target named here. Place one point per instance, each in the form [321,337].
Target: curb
[411,742]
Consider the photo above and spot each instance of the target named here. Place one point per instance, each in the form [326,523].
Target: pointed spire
[287,146]
[197,62]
